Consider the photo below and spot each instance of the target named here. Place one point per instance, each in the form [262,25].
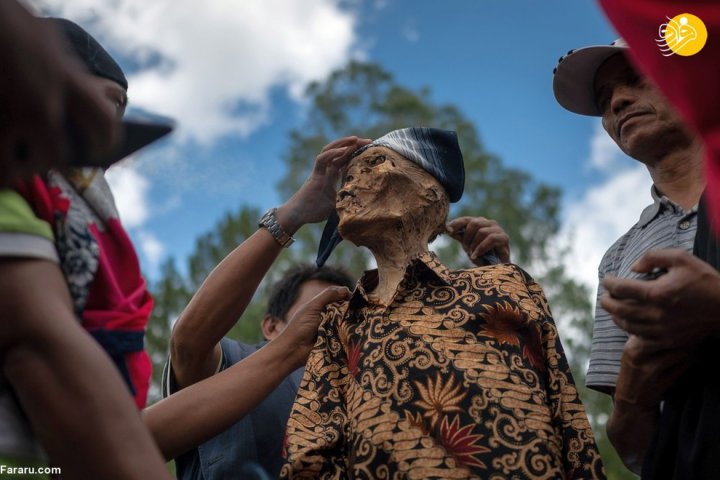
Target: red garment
[690,83]
[100,266]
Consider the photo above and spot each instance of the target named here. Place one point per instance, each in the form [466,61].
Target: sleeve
[317,431]
[22,233]
[580,455]
[168,384]
[608,340]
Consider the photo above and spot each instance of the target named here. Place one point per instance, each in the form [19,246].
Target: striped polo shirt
[664,224]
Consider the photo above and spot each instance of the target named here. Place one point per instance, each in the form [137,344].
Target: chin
[364,229]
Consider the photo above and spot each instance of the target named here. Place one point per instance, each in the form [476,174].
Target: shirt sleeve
[580,455]
[168,382]
[317,431]
[22,233]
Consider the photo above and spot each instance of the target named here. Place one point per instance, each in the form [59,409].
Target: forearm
[630,429]
[217,305]
[203,410]
[221,300]
[76,401]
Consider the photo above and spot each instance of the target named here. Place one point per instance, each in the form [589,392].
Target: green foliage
[363,99]
[171,295]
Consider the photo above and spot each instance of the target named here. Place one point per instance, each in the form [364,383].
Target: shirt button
[684,225]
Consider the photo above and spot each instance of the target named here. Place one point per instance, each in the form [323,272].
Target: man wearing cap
[68,272]
[43,88]
[427,372]
[666,318]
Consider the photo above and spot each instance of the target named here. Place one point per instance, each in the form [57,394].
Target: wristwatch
[269,221]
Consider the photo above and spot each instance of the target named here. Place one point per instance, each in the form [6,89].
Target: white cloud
[411,33]
[212,65]
[130,190]
[605,156]
[606,210]
[152,249]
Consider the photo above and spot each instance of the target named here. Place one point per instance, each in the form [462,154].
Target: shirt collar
[660,203]
[425,262]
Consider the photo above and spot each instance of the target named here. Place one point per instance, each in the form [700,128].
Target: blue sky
[232,73]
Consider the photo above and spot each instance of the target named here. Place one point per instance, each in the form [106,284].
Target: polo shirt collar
[660,203]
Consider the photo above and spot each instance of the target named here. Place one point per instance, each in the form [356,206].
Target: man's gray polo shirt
[664,224]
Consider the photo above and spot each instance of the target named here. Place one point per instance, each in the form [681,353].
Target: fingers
[498,241]
[457,224]
[340,142]
[336,155]
[479,235]
[646,321]
[620,288]
[329,295]
[328,158]
[346,142]
[664,258]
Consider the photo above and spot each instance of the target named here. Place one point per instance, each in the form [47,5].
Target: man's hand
[678,309]
[301,332]
[315,200]
[478,235]
[647,372]
[44,90]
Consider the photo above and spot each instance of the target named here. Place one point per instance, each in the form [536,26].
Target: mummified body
[426,372]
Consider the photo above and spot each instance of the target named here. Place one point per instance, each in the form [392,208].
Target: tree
[363,99]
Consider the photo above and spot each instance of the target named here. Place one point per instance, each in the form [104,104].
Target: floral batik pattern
[461,376]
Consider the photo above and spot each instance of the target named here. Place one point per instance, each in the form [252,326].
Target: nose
[622,98]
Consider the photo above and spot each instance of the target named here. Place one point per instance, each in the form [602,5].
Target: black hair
[285,291]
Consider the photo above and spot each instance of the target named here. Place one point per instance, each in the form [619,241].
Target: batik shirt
[462,375]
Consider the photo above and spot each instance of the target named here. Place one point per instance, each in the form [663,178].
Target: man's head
[600,81]
[106,75]
[383,190]
[298,286]
[403,179]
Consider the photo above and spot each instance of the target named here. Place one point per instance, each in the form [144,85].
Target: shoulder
[233,351]
[505,279]
[22,233]
[492,274]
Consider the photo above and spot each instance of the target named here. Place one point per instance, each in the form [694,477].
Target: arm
[317,430]
[645,375]
[223,297]
[40,97]
[76,401]
[666,318]
[219,401]
[580,455]
[679,309]
[479,236]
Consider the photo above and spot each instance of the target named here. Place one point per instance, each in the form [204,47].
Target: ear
[271,326]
